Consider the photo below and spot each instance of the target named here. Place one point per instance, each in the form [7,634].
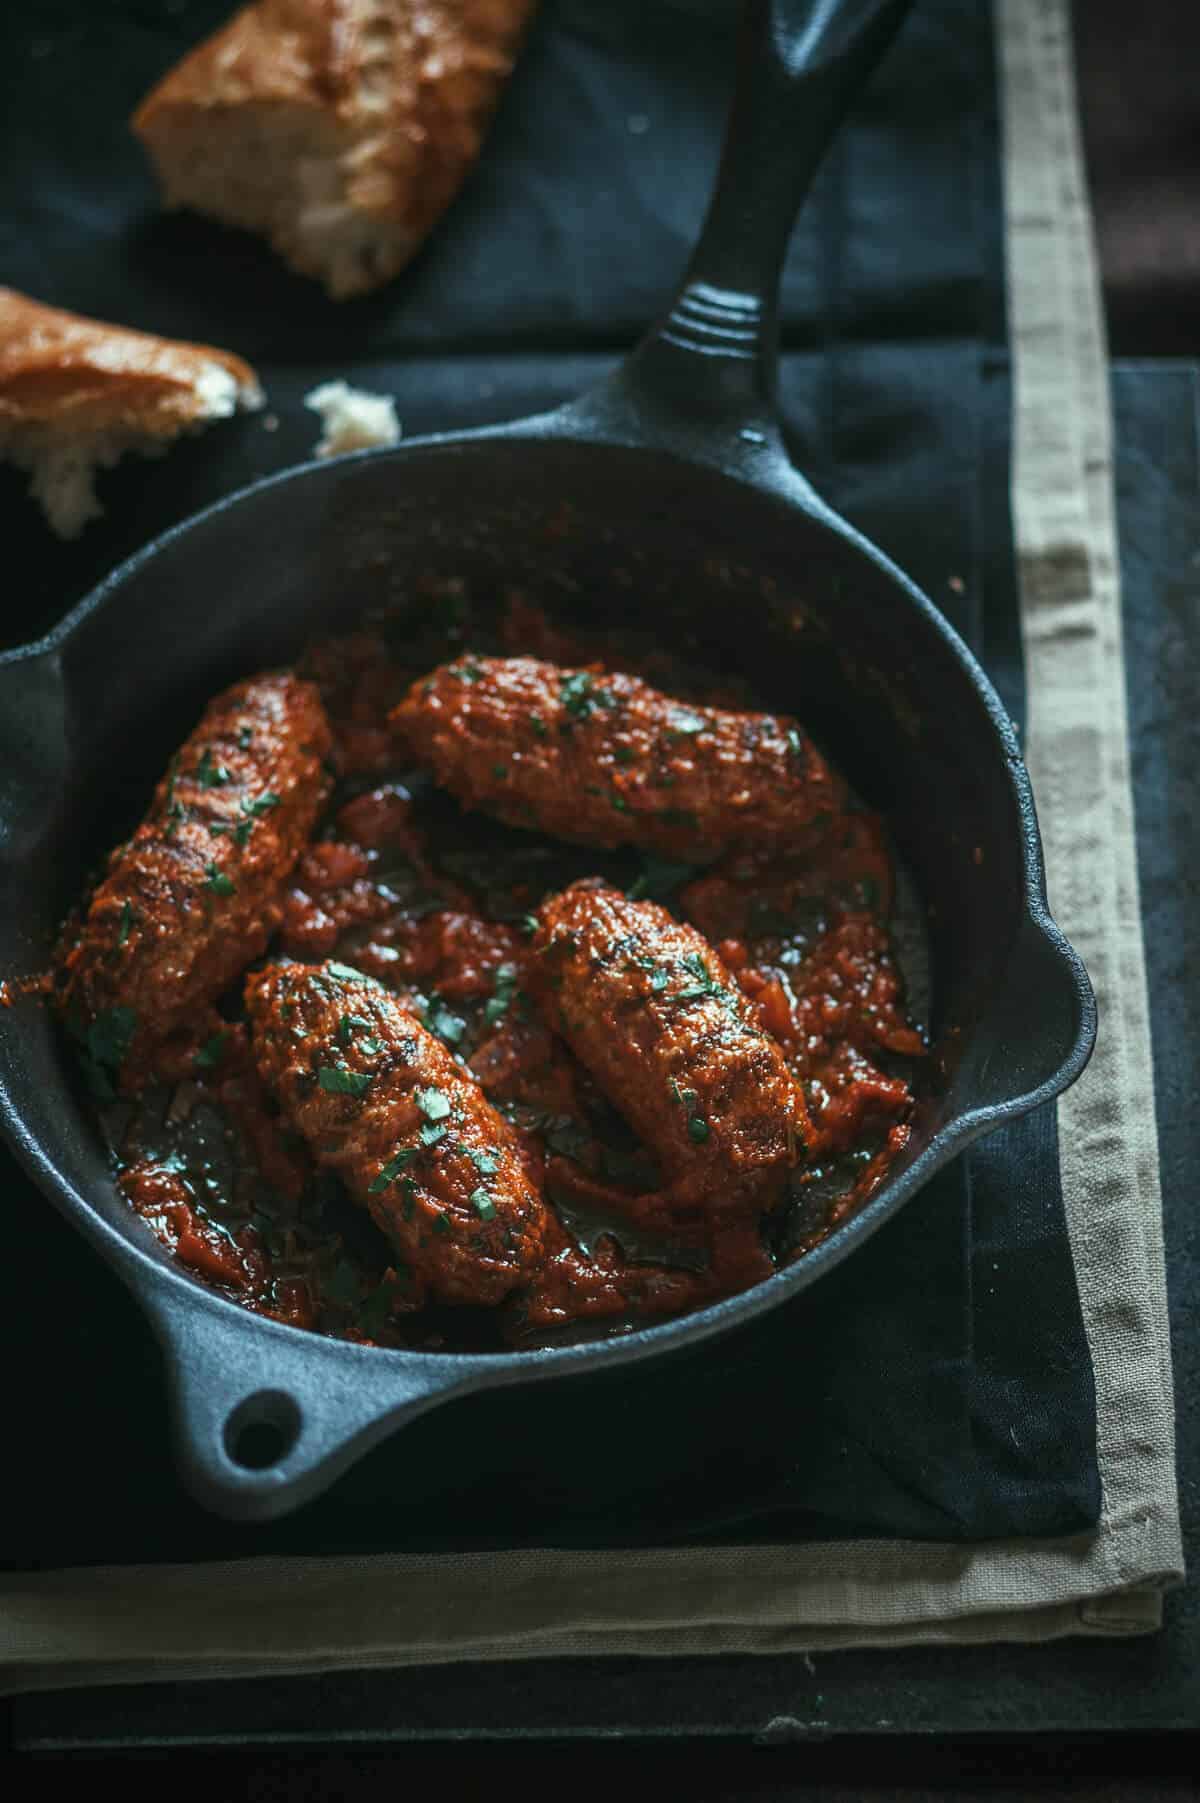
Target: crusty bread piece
[340,129]
[75,394]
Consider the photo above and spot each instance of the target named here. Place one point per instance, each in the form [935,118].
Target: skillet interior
[596,530]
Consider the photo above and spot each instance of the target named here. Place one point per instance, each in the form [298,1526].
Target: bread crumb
[352,419]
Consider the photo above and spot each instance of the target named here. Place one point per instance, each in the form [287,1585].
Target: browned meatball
[196,893]
[407,1129]
[607,760]
[645,1003]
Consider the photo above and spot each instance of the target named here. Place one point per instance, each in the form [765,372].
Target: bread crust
[60,369]
[381,105]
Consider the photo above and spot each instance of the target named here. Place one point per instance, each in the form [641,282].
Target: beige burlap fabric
[297,1615]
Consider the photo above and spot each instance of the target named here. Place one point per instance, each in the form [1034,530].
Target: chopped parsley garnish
[685,724]
[348,974]
[127,918]
[439,1019]
[104,1045]
[431,1134]
[504,986]
[348,1025]
[580,693]
[796,744]
[252,811]
[624,754]
[211,1052]
[208,774]
[530,923]
[539,725]
[482,1203]
[467,671]
[341,1082]
[218,882]
[433,1104]
[697,1130]
[619,802]
[705,983]
[440,1224]
[245,735]
[485,1162]
[392,1169]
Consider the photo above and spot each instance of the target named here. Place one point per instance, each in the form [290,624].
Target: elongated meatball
[407,1129]
[196,893]
[607,760]
[645,1003]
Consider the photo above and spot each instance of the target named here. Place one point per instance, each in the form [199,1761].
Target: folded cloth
[292,1615]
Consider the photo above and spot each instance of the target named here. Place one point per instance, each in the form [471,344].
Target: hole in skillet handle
[263,1429]
[266,1417]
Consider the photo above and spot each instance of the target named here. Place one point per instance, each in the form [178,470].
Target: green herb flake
[467,671]
[127,919]
[208,774]
[482,1203]
[389,1172]
[349,1025]
[448,1026]
[430,1134]
[539,726]
[218,882]
[685,725]
[339,1082]
[530,923]
[796,744]
[245,736]
[698,1130]
[485,1162]
[624,754]
[619,802]
[504,985]
[346,973]
[433,1104]
[440,1224]
[579,694]
[211,1052]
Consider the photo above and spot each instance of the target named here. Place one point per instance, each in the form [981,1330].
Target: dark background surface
[1139,115]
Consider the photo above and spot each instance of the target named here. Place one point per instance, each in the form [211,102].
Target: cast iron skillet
[667,488]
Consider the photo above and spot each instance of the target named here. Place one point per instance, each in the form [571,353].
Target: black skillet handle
[703,379]
[266,1418]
